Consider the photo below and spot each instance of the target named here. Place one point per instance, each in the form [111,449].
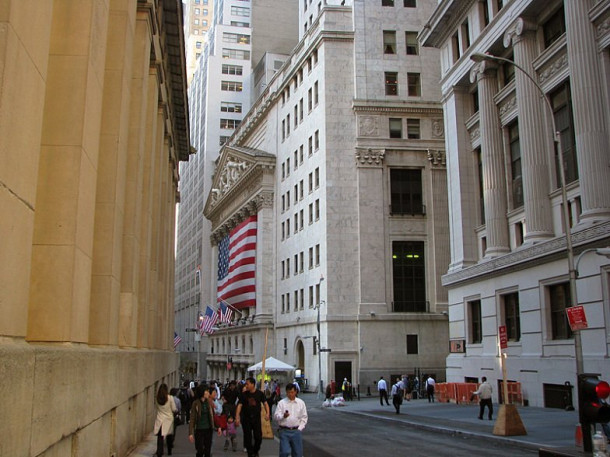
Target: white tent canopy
[271,364]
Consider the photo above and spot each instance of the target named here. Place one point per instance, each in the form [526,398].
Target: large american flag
[210,318]
[237,265]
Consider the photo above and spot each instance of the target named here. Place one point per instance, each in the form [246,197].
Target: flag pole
[229,305]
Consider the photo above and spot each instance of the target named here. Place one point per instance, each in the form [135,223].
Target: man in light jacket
[484,392]
[291,415]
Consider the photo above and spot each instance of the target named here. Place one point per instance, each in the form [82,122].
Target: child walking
[231,434]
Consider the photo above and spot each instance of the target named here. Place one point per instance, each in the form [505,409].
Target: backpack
[399,392]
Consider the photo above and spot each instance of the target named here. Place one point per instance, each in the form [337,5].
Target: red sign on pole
[503,337]
[577,318]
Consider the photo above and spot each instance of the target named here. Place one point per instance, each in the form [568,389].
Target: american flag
[226,313]
[177,340]
[209,320]
[237,265]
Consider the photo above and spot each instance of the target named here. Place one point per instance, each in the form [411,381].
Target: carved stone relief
[368,126]
[436,158]
[370,156]
[438,128]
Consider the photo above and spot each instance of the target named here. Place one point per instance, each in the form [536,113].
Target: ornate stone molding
[534,255]
[370,157]
[231,173]
[603,28]
[438,128]
[553,68]
[508,106]
[437,158]
[475,134]
[517,31]
[482,70]
[368,126]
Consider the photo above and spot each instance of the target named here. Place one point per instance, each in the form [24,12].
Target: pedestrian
[430,385]
[291,414]
[346,388]
[484,392]
[248,414]
[229,397]
[382,387]
[164,420]
[328,392]
[397,394]
[201,423]
[231,434]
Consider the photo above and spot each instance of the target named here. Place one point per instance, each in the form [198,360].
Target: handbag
[220,421]
[177,420]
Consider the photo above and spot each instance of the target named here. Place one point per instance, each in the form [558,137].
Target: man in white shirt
[484,392]
[430,386]
[382,387]
[291,415]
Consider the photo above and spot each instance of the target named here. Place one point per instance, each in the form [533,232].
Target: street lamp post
[320,387]
[479,57]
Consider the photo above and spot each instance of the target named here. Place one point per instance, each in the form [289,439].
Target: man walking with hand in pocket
[484,392]
[291,414]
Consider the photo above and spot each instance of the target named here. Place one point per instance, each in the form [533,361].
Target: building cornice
[376,106]
[530,256]
[446,17]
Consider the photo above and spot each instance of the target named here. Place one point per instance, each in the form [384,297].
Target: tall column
[590,115]
[461,180]
[533,136]
[65,199]
[492,154]
[109,205]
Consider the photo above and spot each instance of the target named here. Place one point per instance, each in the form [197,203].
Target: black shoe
[480,418]
[490,419]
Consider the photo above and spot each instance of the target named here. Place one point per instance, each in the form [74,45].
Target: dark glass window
[413,85]
[406,190]
[387,2]
[412,345]
[476,325]
[554,27]
[409,274]
[559,298]
[515,161]
[410,3]
[395,128]
[511,316]
[411,42]
[564,120]
[389,42]
[391,83]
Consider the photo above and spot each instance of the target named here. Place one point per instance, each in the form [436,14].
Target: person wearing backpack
[397,395]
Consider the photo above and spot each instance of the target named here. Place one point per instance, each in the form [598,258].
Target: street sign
[577,318]
[503,336]
[325,350]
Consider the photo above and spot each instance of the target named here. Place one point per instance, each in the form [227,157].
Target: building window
[554,27]
[484,13]
[230,107]
[409,276]
[515,167]
[413,85]
[413,129]
[387,2]
[240,11]
[198,44]
[412,45]
[315,93]
[317,259]
[232,69]
[410,3]
[510,302]
[309,100]
[311,296]
[412,346]
[559,300]
[240,54]
[406,190]
[316,141]
[564,119]
[391,83]
[389,42]
[476,324]
[223,140]
[310,258]
[238,38]
[229,123]
[395,128]
[231,86]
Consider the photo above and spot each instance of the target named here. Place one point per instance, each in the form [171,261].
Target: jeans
[291,443]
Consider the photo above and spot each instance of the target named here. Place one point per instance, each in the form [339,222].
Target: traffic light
[591,392]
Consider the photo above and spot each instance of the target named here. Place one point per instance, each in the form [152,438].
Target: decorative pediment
[236,174]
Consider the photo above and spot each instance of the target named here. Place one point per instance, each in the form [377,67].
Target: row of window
[240,11]
[314,183]
[299,218]
[239,54]
[557,298]
[226,345]
[198,11]
[299,299]
[313,145]
[390,45]
[406,3]
[314,260]
[238,38]
[392,84]
[312,102]
[298,78]
[396,128]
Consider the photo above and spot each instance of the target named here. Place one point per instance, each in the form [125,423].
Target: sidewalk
[545,427]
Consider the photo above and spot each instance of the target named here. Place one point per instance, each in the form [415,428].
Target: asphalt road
[331,433]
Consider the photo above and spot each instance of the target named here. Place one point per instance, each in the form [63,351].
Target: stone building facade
[508,244]
[93,121]
[351,201]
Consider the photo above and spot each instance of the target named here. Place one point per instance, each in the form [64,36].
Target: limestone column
[67,176]
[492,154]
[461,180]
[533,135]
[590,115]
[371,227]
[109,206]
[135,160]
[23,60]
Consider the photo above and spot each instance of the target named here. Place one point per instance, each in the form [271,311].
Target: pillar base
[509,422]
